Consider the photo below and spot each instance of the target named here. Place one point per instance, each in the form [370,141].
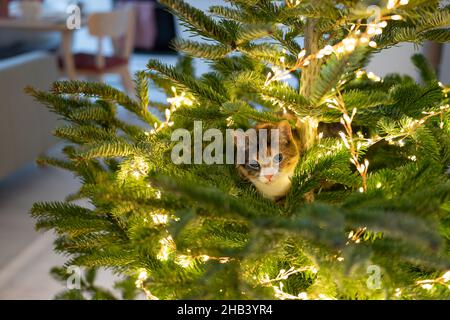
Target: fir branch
[55,162]
[252,32]
[209,197]
[335,70]
[437,35]
[142,89]
[202,50]
[229,13]
[285,96]
[95,113]
[61,105]
[425,69]
[268,53]
[105,92]
[397,225]
[198,21]
[106,150]
[57,209]
[242,110]
[365,99]
[85,134]
[197,89]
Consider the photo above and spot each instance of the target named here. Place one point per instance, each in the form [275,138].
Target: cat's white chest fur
[277,189]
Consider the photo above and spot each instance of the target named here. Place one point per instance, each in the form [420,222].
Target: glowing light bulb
[302,54]
[427,286]
[391,4]
[349,44]
[160,219]
[303,295]
[344,139]
[373,76]
[446,276]
[328,50]
[143,275]
[136,174]
[347,119]
[167,246]
[184,261]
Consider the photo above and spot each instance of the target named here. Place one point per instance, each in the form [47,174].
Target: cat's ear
[285,132]
[266,126]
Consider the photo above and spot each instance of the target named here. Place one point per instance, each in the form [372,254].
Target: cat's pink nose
[269,177]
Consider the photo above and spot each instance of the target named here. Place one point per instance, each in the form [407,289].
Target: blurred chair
[156,27]
[119,25]
[146,24]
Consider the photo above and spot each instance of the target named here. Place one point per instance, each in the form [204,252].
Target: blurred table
[45,24]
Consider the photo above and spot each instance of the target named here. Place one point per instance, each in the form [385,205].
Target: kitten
[271,175]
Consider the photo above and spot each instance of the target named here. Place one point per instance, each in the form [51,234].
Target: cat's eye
[278,158]
[253,164]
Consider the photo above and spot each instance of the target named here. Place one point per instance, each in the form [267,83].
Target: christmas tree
[367,216]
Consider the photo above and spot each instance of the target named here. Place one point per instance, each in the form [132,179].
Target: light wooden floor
[26,256]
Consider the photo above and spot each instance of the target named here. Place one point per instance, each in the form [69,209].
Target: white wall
[394,60]
[445,65]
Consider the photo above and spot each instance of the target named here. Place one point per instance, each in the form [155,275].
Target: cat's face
[271,161]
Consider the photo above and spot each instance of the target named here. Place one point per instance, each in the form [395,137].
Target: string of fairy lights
[428,284]
[355,38]
[175,102]
[284,274]
[348,138]
[359,35]
[159,218]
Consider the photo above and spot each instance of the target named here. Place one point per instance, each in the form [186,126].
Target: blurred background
[115,39]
